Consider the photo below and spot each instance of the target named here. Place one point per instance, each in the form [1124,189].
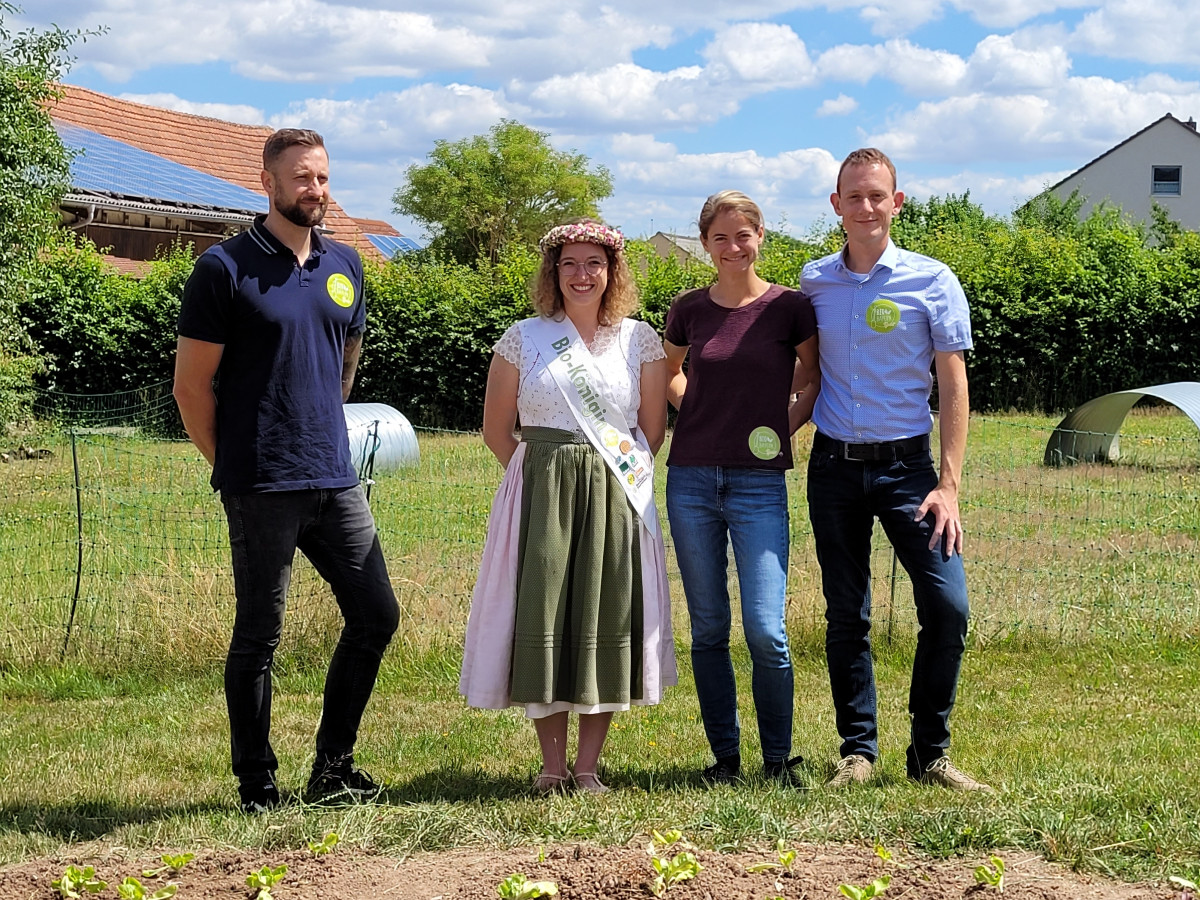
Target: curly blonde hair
[620,297]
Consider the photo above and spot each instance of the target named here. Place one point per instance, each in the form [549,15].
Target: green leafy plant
[263,880]
[170,864]
[991,875]
[132,889]
[670,870]
[787,856]
[874,889]
[325,845]
[517,887]
[75,879]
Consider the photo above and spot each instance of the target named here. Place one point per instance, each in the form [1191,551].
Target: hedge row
[1062,310]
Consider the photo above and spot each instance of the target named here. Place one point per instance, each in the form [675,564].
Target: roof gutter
[207,213]
[86,220]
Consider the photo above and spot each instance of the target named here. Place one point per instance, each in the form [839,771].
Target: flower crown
[583,233]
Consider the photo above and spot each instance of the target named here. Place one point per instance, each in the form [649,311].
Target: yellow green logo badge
[883,315]
[341,291]
[764,442]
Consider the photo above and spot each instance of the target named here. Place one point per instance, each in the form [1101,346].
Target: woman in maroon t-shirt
[748,340]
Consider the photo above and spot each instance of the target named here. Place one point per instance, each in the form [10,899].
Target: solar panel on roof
[114,167]
[390,244]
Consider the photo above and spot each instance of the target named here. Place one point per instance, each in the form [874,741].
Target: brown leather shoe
[852,769]
[943,773]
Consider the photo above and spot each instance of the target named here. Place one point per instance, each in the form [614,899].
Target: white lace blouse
[618,352]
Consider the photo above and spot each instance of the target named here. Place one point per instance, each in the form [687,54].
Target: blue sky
[678,98]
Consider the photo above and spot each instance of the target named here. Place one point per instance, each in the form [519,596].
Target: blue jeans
[709,507]
[844,499]
[335,530]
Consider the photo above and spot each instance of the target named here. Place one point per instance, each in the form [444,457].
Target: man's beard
[305,217]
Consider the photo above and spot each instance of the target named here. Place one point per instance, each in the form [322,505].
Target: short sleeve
[675,331]
[207,298]
[645,344]
[509,345]
[949,315]
[805,322]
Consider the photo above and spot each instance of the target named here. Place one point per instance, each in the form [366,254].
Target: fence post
[78,545]
[892,602]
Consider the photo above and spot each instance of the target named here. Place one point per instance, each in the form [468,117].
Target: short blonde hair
[867,156]
[729,201]
[620,297]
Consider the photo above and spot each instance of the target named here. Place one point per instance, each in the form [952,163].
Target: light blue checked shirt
[877,338]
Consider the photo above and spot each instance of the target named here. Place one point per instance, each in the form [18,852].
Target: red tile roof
[224,149]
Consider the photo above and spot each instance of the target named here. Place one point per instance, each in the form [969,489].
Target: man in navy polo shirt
[276,314]
[885,316]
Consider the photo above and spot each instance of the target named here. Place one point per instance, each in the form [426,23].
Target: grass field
[1078,700]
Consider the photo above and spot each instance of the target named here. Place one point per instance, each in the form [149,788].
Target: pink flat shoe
[546,783]
[590,783]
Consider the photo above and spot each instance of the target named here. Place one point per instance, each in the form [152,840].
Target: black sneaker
[726,770]
[258,798]
[784,771]
[341,782]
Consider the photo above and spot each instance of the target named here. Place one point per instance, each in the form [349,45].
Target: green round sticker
[883,315]
[764,442]
[341,291]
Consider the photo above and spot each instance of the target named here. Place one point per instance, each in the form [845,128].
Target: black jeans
[844,499]
[335,530]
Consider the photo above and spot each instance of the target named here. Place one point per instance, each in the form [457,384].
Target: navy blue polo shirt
[280,425]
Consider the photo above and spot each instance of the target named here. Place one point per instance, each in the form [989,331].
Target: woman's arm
[676,380]
[652,413]
[500,409]
[806,382]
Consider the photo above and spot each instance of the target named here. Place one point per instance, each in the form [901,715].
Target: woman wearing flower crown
[571,611]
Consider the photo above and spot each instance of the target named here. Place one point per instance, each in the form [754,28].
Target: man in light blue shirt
[885,317]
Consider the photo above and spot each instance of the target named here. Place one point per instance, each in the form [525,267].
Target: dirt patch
[583,871]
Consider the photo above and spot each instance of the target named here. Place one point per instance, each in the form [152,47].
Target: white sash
[587,396]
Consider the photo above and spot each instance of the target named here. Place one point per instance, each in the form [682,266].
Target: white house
[1160,164]
[679,246]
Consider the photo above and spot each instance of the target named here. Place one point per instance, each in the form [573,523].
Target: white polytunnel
[1091,433]
[381,439]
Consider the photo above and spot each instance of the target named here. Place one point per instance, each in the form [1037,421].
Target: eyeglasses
[592,266]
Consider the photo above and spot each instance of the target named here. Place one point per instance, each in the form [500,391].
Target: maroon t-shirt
[739,377]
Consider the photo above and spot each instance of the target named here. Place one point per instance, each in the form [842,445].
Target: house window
[1166,180]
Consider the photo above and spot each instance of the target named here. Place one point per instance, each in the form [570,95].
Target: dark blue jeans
[844,499]
[710,507]
[335,530]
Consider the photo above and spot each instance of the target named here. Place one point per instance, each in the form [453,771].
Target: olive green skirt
[578,634]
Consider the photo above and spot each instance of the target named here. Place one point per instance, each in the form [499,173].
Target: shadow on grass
[90,820]
[459,785]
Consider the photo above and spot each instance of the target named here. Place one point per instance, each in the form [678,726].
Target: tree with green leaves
[510,185]
[34,174]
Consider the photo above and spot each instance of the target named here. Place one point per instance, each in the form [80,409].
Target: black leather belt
[884,451]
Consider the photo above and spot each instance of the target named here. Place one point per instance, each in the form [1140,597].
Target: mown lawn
[1078,700]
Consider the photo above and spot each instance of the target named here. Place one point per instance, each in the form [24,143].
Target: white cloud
[999,65]
[664,189]
[630,96]
[402,123]
[286,40]
[228,112]
[841,105]
[757,52]
[1154,31]
[996,193]
[1011,13]
[918,70]
[1077,120]
[804,171]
